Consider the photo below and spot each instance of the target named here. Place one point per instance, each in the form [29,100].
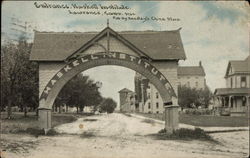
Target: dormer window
[243,81]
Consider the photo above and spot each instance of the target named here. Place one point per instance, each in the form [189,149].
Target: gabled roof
[125,90]
[190,71]
[158,45]
[227,91]
[111,32]
[239,66]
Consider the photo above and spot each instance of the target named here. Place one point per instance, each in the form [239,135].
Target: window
[157,105]
[243,81]
[157,95]
[196,84]
[157,112]
[244,101]
[231,82]
[149,106]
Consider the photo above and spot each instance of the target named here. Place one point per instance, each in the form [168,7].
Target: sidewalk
[207,129]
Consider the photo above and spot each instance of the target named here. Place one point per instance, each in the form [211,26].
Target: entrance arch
[76,66]
[81,64]
[61,56]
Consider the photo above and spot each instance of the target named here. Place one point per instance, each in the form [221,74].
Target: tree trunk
[67,108]
[77,109]
[25,111]
[81,109]
[21,108]
[9,110]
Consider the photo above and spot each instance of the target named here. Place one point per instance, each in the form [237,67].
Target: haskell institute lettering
[112,55]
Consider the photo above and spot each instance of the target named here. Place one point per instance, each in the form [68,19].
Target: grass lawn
[206,120]
[20,123]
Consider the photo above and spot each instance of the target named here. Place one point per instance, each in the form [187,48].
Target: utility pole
[22,28]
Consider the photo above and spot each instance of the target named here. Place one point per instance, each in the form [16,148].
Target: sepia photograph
[125,79]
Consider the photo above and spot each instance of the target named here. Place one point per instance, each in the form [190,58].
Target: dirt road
[120,136]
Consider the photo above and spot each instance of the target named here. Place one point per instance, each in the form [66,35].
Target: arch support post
[44,118]
[171,117]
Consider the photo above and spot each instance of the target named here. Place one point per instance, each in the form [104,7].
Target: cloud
[212,32]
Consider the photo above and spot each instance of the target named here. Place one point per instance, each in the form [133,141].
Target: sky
[212,32]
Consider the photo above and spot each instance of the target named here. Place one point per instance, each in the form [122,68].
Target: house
[127,100]
[234,99]
[192,76]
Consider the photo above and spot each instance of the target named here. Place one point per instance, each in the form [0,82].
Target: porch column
[248,106]
[171,117]
[229,101]
[224,102]
[44,119]
[220,101]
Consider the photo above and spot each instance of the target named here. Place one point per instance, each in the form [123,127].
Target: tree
[191,97]
[108,105]
[19,77]
[80,91]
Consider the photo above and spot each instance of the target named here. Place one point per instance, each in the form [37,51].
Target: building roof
[239,66]
[190,71]
[158,45]
[125,90]
[228,91]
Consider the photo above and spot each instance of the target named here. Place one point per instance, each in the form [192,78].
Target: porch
[233,102]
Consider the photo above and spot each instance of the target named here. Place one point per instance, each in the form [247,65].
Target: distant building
[154,102]
[127,100]
[150,100]
[192,76]
[235,97]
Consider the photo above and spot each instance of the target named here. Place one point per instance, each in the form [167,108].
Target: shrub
[184,134]
[37,132]
[199,111]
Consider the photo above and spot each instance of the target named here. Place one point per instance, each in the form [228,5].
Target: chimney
[200,64]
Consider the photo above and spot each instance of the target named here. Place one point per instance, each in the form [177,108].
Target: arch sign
[103,55]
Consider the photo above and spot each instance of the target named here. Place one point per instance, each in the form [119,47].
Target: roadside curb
[206,129]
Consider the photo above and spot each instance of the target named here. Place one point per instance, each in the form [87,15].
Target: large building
[192,76]
[234,99]
[150,100]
